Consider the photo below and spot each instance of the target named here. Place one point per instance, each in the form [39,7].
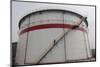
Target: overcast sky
[20,9]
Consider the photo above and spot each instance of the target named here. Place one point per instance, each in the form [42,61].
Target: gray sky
[20,9]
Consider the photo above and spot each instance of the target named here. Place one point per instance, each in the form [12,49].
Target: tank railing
[55,42]
[46,21]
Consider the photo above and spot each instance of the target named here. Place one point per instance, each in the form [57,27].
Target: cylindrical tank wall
[38,32]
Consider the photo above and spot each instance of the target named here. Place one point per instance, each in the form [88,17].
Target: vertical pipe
[64,36]
[85,44]
[88,42]
[26,42]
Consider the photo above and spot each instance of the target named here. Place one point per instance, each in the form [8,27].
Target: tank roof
[80,16]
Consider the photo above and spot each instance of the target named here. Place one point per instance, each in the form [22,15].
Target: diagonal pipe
[57,41]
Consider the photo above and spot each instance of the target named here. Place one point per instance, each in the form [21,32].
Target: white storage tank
[50,36]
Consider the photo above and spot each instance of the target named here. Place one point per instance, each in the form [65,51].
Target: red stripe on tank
[46,26]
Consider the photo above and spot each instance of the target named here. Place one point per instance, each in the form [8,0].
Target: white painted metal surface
[20,54]
[34,44]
